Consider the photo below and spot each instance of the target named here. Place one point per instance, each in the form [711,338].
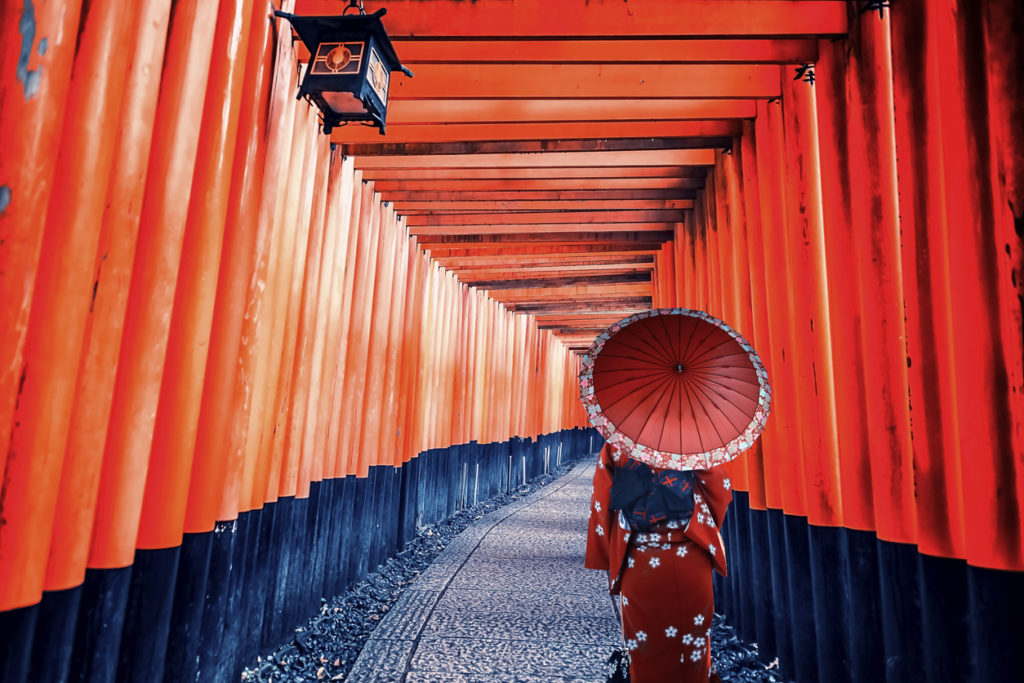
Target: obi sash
[647,498]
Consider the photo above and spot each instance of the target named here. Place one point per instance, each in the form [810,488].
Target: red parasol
[675,388]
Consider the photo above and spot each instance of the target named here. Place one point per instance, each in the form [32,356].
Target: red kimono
[663,577]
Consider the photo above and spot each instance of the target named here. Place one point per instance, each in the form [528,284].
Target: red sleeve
[600,525]
[712,493]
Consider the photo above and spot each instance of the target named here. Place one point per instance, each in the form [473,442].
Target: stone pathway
[507,601]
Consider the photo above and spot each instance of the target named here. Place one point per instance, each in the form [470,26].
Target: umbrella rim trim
[665,459]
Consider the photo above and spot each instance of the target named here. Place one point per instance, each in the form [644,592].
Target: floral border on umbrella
[664,459]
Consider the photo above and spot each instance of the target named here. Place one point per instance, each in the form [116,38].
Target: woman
[662,566]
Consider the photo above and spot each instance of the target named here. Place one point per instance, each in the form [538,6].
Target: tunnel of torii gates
[243,361]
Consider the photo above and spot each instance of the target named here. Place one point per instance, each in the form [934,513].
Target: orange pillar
[32,105]
[154,279]
[60,304]
[174,437]
[87,432]
[759,337]
[925,236]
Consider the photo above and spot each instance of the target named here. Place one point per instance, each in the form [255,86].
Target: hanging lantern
[350,65]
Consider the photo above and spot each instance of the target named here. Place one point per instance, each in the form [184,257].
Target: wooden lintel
[667,18]
[659,157]
[540,111]
[660,51]
[495,145]
[489,221]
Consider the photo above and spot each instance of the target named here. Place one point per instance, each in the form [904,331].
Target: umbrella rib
[713,426]
[653,408]
[674,390]
[686,349]
[699,381]
[633,378]
[654,387]
[689,400]
[653,349]
[700,356]
[706,374]
[628,394]
[638,359]
[667,350]
[711,394]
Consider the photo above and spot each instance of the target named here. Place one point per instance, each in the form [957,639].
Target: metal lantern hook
[356,5]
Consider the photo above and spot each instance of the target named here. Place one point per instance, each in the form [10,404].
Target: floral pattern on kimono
[662,575]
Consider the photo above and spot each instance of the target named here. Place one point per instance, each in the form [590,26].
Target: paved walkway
[507,601]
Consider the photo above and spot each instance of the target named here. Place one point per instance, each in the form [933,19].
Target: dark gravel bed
[326,647]
[737,661]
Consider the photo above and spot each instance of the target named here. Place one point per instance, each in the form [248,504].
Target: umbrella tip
[679,368]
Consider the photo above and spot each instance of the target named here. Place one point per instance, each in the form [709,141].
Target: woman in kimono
[659,559]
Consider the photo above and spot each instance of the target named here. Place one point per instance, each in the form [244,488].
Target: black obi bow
[647,497]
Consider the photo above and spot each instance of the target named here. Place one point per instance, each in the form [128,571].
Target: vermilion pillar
[154,279]
[45,375]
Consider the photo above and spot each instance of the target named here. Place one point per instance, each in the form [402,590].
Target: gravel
[326,647]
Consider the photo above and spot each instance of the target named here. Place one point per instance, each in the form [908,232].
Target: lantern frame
[348,74]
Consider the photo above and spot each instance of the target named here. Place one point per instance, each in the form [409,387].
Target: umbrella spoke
[654,349]
[631,393]
[711,395]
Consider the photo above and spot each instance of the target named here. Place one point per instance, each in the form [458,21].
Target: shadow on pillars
[840,605]
[202,611]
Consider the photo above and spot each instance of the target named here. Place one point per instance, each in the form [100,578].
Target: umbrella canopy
[675,388]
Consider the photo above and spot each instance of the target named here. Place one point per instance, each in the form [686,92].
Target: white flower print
[641,636]
[655,561]
[727,484]
[630,562]
[672,524]
[597,505]
[665,546]
[625,600]
[696,655]
[687,639]
[600,530]
[698,642]
[699,619]
[671,632]
[631,644]
[681,551]
[711,548]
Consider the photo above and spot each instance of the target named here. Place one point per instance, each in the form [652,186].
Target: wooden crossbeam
[579,218]
[620,183]
[536,146]
[415,51]
[575,292]
[555,229]
[561,282]
[537,110]
[541,261]
[532,173]
[661,157]
[400,197]
[411,208]
[602,18]
[513,272]
[577,237]
[442,250]
[632,304]
[627,81]
[360,139]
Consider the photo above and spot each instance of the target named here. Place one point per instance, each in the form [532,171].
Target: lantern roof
[313,30]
